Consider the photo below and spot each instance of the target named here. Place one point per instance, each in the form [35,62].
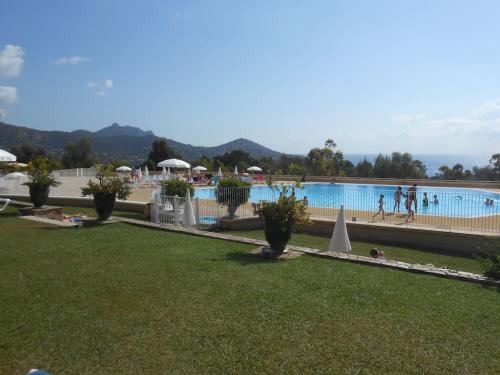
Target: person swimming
[435,199]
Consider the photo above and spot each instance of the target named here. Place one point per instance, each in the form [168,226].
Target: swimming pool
[453,202]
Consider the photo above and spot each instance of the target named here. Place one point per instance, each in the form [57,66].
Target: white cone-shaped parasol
[188,219]
[146,171]
[139,174]
[236,170]
[340,239]
[163,171]
[7,156]
[219,173]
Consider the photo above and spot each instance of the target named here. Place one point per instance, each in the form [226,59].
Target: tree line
[327,160]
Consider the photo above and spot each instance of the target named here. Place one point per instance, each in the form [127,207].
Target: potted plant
[281,217]
[108,187]
[40,181]
[232,192]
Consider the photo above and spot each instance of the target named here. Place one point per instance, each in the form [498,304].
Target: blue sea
[433,162]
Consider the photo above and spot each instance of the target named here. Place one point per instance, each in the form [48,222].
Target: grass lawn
[410,255]
[118,299]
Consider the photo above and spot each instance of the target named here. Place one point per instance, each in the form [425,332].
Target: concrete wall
[453,243]
[82,202]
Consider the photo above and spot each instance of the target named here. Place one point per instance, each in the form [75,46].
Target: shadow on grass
[8,214]
[246,259]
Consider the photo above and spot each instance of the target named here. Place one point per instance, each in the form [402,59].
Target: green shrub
[490,258]
[232,192]
[176,187]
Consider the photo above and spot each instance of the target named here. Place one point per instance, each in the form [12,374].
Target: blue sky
[377,76]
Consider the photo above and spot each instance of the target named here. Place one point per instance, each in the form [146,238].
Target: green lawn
[410,255]
[118,299]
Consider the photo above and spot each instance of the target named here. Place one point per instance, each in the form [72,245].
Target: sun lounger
[5,203]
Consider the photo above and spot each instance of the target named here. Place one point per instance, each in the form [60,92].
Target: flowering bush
[108,183]
[287,210]
[39,173]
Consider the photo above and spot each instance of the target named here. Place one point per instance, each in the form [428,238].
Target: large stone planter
[277,236]
[39,194]
[104,205]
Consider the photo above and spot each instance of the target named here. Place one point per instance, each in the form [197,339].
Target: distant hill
[121,142]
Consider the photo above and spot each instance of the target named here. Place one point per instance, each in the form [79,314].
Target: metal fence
[76,172]
[462,210]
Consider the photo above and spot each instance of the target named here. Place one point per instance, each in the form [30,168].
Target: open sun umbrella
[199,169]
[254,169]
[14,176]
[7,156]
[123,168]
[174,163]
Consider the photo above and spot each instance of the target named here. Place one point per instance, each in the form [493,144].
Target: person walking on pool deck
[411,213]
[398,194]
[380,207]
[412,195]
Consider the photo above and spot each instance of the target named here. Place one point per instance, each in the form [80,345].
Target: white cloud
[102,87]
[408,118]
[487,109]
[3,112]
[108,84]
[72,60]
[452,126]
[179,16]
[11,61]
[8,94]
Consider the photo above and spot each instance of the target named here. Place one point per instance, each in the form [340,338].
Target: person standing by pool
[425,201]
[380,207]
[412,195]
[398,194]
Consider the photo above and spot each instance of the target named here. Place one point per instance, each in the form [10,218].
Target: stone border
[402,266]
[44,220]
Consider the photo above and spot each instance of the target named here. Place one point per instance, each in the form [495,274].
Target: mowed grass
[403,254]
[118,299]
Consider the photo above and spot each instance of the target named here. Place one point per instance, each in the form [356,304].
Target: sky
[376,76]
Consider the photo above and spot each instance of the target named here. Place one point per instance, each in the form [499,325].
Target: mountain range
[117,142]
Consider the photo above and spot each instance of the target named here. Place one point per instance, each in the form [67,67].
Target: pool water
[453,202]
